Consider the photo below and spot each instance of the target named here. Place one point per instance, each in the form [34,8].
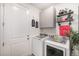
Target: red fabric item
[64,30]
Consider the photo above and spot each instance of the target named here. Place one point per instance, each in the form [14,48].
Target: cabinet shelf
[64,21]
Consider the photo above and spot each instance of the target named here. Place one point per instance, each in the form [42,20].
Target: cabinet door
[15,30]
[34,47]
[37,47]
[47,17]
[40,47]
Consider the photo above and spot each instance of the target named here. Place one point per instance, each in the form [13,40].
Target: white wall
[49,31]
[33,13]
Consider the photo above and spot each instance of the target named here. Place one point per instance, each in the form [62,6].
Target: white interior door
[15,30]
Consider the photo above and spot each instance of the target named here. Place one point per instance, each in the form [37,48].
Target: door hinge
[3,44]
[3,24]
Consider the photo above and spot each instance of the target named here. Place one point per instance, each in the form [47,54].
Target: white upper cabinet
[47,18]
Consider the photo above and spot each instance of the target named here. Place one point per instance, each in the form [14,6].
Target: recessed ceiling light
[27,11]
[15,8]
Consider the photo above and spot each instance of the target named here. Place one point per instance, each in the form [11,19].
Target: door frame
[1,28]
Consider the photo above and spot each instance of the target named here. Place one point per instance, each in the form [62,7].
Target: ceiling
[43,5]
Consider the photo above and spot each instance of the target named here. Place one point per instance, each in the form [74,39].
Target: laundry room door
[15,30]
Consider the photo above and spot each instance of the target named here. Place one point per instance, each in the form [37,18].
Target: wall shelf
[64,14]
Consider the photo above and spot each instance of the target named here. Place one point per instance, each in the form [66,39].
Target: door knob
[27,35]
[27,38]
